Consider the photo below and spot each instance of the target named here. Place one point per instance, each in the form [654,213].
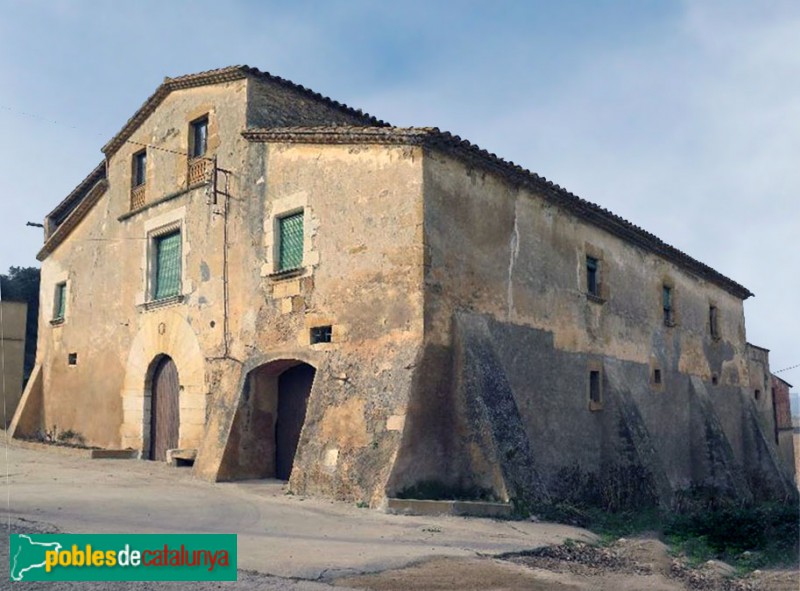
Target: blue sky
[682,117]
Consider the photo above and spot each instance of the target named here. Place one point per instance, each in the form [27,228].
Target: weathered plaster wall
[362,274]
[510,256]
[14,316]
[106,264]
[761,389]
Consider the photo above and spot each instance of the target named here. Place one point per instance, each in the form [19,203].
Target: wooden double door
[164,409]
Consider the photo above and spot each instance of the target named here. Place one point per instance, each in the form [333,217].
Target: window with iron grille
[139,168]
[199,139]
[321,334]
[167,266]
[290,242]
[60,302]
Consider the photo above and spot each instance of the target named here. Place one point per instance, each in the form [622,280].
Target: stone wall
[14,316]
[106,262]
[272,104]
[362,275]
[783,423]
[512,267]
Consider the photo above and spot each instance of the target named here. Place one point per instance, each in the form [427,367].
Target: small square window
[757,394]
[321,334]
[290,242]
[199,138]
[657,376]
[714,379]
[593,276]
[72,359]
[166,266]
[669,312]
[60,301]
[139,168]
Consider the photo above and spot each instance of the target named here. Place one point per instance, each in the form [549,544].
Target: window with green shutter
[167,275]
[290,242]
[60,301]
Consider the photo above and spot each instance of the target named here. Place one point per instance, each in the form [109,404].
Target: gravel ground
[637,564]
[248,580]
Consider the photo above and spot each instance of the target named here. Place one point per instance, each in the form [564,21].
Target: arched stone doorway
[164,415]
[163,332]
[266,429]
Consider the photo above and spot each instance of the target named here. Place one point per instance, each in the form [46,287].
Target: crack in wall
[514,253]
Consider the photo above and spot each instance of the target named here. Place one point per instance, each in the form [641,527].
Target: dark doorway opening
[294,387]
[265,434]
[165,409]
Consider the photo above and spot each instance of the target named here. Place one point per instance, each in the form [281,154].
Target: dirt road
[296,543]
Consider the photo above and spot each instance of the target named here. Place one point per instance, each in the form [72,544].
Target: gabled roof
[80,206]
[69,212]
[63,209]
[782,380]
[215,77]
[432,137]
[66,215]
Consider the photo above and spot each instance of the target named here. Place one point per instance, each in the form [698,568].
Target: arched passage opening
[266,429]
[162,422]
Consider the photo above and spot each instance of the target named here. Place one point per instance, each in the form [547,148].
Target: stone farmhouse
[275,285]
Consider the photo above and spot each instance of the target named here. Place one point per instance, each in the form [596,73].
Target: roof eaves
[97,174]
[72,220]
[215,77]
[751,345]
[170,84]
[432,137]
[341,134]
[592,212]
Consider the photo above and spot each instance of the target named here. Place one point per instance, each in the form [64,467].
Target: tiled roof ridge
[434,137]
[217,76]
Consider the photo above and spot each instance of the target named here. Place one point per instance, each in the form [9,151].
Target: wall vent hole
[321,334]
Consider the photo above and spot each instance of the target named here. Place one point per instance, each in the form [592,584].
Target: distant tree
[22,284]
